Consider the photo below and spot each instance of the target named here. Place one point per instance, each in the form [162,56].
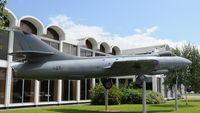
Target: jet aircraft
[42,61]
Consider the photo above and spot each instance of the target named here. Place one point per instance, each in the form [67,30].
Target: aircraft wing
[142,65]
[29,55]
[32,53]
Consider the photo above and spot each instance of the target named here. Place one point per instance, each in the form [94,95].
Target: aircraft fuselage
[95,67]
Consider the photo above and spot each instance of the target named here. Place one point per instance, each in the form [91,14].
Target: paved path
[193,96]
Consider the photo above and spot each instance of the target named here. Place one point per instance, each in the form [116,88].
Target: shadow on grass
[195,100]
[172,106]
[93,111]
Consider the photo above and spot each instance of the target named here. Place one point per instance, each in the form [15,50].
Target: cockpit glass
[166,54]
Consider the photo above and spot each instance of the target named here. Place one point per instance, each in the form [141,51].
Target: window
[69,90]
[86,85]
[22,91]
[52,44]
[70,49]
[65,90]
[88,44]
[99,54]
[4,36]
[159,85]
[73,85]
[102,49]
[149,83]
[113,52]
[51,33]
[2,84]
[86,53]
[28,27]
[48,90]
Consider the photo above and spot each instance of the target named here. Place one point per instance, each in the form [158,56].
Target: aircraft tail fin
[34,49]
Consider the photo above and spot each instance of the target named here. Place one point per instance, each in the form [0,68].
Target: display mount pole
[106,100]
[176,96]
[144,95]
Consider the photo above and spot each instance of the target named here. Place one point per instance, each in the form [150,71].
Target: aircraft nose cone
[187,62]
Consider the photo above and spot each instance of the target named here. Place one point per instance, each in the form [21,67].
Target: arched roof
[106,46]
[11,17]
[117,50]
[82,42]
[36,22]
[58,29]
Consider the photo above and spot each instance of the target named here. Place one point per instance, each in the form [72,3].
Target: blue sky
[175,20]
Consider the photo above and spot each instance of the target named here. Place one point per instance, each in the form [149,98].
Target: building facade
[19,92]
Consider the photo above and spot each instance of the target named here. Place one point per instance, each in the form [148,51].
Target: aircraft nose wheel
[107,83]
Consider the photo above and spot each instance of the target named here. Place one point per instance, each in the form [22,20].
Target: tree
[192,73]
[3,16]
[190,76]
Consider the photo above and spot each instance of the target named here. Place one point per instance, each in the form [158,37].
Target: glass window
[69,90]
[113,52]
[102,48]
[65,90]
[52,44]
[28,27]
[70,49]
[86,85]
[98,54]
[48,90]
[159,85]
[149,83]
[2,84]
[22,91]
[44,94]
[89,44]
[73,89]
[51,33]
[4,36]
[86,53]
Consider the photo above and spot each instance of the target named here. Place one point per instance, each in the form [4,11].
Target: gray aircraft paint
[45,62]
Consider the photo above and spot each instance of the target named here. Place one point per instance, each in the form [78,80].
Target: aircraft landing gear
[107,83]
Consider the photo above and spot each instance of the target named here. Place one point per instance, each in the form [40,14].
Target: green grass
[195,94]
[193,107]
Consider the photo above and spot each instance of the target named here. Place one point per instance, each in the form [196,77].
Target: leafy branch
[3,16]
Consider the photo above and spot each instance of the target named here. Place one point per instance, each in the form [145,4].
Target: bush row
[123,96]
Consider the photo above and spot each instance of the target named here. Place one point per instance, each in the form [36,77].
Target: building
[19,92]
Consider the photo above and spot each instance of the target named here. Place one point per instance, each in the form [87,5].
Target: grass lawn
[194,94]
[193,107]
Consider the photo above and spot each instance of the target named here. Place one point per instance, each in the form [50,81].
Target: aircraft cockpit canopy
[167,53]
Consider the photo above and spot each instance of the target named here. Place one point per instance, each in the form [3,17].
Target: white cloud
[138,30]
[152,29]
[140,39]
[62,20]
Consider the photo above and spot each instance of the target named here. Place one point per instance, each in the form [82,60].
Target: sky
[125,23]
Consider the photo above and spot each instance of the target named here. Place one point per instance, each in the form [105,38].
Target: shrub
[98,95]
[133,85]
[154,98]
[134,96]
